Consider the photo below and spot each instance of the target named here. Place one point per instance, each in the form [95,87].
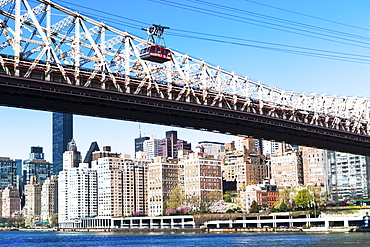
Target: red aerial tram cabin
[156,54]
[156,50]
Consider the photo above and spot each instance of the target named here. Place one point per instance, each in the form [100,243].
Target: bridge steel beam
[57,97]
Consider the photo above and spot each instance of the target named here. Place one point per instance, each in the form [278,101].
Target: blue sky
[20,129]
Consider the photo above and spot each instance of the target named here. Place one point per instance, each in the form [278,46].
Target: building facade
[32,206]
[246,166]
[346,176]
[163,177]
[314,160]
[202,175]
[9,170]
[77,193]
[122,184]
[287,168]
[212,148]
[40,169]
[171,145]
[71,157]
[10,202]
[139,143]
[62,134]
[49,199]
[265,195]
[151,147]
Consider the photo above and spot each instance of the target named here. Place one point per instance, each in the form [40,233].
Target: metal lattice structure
[45,41]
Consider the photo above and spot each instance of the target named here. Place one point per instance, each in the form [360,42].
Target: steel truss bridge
[54,59]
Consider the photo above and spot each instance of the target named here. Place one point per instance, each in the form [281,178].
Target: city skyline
[126,146]
[20,129]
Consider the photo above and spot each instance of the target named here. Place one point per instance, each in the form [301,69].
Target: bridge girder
[57,97]
[39,44]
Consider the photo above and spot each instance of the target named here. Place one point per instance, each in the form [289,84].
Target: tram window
[152,49]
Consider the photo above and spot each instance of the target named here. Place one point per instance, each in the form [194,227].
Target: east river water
[78,239]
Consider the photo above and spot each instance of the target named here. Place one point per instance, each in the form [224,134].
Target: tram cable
[264,24]
[341,56]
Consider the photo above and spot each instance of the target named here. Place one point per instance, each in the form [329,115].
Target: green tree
[283,207]
[303,198]
[284,196]
[320,196]
[15,221]
[228,196]
[176,198]
[54,219]
[254,207]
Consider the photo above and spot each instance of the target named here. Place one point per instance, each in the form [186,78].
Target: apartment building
[202,175]
[77,193]
[163,176]
[49,198]
[287,168]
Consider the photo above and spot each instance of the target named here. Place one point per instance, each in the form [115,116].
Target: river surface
[77,239]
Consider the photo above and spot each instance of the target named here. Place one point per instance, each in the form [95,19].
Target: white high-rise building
[238,142]
[77,193]
[346,176]
[212,148]
[122,185]
[71,157]
[269,148]
[151,147]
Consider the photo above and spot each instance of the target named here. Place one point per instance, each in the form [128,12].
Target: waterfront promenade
[228,222]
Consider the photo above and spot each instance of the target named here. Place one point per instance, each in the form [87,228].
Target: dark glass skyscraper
[139,143]
[62,134]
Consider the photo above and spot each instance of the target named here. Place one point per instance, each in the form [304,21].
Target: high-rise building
[10,201]
[139,143]
[89,155]
[36,166]
[202,175]
[346,176]
[71,157]
[170,146]
[268,148]
[62,134]
[9,172]
[151,147]
[212,148]
[314,161]
[135,187]
[77,193]
[37,153]
[287,168]
[163,176]
[49,199]
[122,184]
[32,206]
[246,166]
